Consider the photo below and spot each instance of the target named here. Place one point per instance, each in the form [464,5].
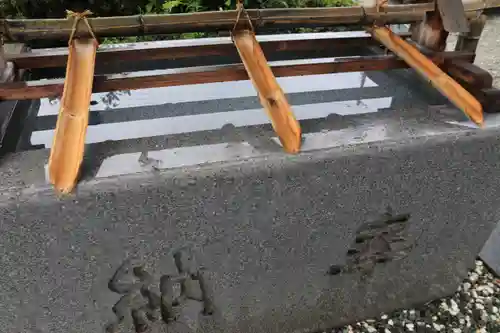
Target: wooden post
[469,41]
[430,32]
[9,71]
[457,94]
[12,112]
[6,68]
[270,93]
[3,61]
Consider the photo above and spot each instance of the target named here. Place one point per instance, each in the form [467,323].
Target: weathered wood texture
[453,15]
[430,33]
[181,49]
[490,98]
[6,67]
[469,41]
[270,94]
[197,75]
[60,29]
[457,94]
[67,150]
[477,81]
[8,74]
[467,73]
[3,60]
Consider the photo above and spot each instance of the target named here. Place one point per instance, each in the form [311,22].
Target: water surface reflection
[158,128]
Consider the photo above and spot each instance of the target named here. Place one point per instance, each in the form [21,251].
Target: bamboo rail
[15,30]
[60,29]
[210,74]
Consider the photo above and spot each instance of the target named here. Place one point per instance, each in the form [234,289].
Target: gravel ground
[475,307]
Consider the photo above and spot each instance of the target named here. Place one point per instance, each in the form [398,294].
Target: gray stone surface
[490,253]
[267,231]
[386,207]
[488,58]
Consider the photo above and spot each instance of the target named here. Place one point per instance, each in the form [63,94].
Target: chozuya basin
[207,226]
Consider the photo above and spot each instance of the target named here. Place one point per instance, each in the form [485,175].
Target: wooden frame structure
[452,73]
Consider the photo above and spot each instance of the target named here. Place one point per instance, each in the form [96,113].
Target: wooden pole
[270,93]
[457,94]
[68,145]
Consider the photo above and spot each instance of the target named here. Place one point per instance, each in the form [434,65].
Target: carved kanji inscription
[376,243]
[147,303]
